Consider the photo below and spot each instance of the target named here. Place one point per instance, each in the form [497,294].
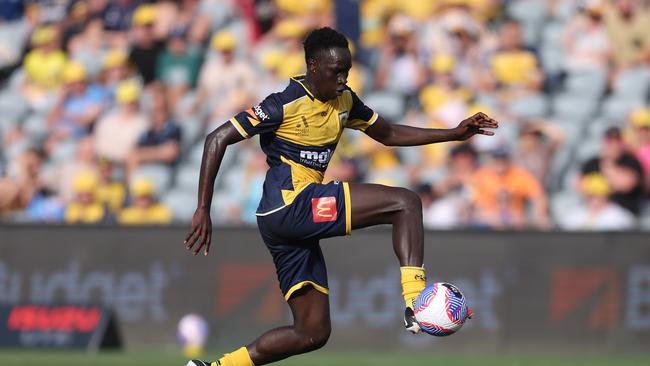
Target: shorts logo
[324,209]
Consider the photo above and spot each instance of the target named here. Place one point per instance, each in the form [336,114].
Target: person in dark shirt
[621,169]
[144,53]
[160,144]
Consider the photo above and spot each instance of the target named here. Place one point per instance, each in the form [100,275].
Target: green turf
[323,358]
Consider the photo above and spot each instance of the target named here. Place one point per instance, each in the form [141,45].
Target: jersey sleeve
[262,118]
[361,116]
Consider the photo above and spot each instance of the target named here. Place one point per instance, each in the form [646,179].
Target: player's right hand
[410,323]
[200,234]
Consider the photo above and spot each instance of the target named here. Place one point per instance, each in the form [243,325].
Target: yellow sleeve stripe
[373,119]
[238,127]
[302,284]
[348,209]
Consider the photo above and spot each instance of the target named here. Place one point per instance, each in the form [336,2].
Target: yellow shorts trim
[348,209]
[302,284]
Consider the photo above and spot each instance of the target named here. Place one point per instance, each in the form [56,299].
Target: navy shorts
[292,234]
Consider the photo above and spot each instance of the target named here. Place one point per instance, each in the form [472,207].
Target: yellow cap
[272,59]
[127,92]
[595,184]
[84,183]
[115,58]
[43,35]
[224,41]
[640,117]
[290,28]
[142,187]
[144,15]
[74,72]
[443,63]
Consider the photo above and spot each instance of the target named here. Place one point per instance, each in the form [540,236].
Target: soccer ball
[440,309]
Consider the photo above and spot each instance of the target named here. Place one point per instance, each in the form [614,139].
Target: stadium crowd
[104,105]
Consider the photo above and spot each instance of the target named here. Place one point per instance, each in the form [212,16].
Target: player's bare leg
[310,330]
[374,204]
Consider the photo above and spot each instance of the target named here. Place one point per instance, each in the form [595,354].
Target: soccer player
[299,129]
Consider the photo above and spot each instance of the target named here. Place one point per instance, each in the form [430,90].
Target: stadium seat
[187,178]
[634,84]
[586,84]
[387,104]
[618,108]
[531,106]
[573,108]
[181,202]
[159,174]
[562,203]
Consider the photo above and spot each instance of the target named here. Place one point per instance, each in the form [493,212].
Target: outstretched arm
[216,142]
[401,135]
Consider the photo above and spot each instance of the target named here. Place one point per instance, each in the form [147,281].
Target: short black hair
[323,39]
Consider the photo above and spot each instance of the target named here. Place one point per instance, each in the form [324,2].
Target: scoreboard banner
[531,291]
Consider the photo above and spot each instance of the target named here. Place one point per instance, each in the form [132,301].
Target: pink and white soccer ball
[440,309]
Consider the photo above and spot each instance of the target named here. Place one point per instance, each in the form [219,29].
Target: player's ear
[312,64]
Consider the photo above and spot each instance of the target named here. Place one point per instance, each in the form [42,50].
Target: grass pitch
[172,357]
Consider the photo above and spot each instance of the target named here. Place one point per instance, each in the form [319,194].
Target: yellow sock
[238,358]
[413,282]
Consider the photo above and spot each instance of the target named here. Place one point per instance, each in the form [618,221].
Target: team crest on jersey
[343,117]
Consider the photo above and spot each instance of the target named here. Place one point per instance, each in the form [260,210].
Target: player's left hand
[474,125]
[201,232]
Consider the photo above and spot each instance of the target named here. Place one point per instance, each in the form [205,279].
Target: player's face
[331,72]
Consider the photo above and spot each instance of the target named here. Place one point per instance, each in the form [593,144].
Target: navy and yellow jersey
[298,134]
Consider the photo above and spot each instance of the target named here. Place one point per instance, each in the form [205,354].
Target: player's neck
[312,89]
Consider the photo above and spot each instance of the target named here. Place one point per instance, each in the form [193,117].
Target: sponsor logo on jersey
[315,158]
[261,115]
[323,209]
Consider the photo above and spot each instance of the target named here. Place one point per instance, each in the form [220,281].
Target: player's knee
[316,337]
[410,201]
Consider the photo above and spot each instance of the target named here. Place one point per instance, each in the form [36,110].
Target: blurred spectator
[111,192]
[640,122]
[78,106]
[118,14]
[11,10]
[115,69]
[178,66]
[84,209]
[89,46]
[537,145]
[446,212]
[501,192]
[458,176]
[627,27]
[398,69]
[597,212]
[444,99]
[144,210]
[215,15]
[621,169]
[85,161]
[117,133]
[161,142]
[43,66]
[146,48]
[515,68]
[227,81]
[270,80]
[22,183]
[287,35]
[585,41]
